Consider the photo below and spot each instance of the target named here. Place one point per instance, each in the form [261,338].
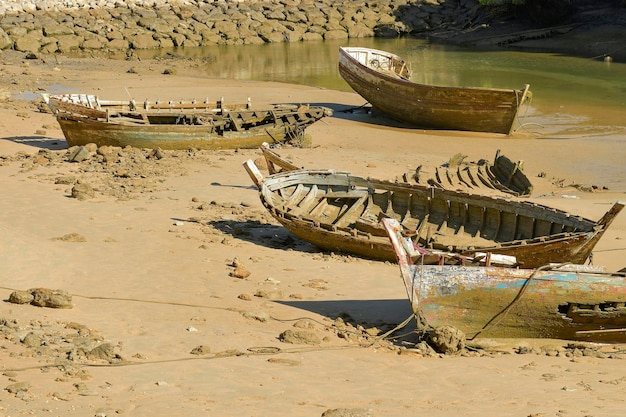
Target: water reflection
[589,93]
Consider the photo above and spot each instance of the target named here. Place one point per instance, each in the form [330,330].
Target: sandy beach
[159,324]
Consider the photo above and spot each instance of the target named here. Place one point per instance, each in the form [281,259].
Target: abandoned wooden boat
[203,125]
[383,79]
[340,212]
[559,301]
[503,175]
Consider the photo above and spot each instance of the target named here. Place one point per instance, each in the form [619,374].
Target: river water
[573,97]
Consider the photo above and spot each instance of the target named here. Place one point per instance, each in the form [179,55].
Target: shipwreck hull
[81,132]
[372,244]
[427,106]
[573,302]
[84,119]
[507,302]
[340,212]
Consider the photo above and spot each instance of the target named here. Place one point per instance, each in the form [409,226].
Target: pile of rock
[65,26]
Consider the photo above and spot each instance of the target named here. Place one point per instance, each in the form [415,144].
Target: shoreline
[161,325]
[594,32]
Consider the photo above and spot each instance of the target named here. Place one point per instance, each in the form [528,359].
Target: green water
[572,96]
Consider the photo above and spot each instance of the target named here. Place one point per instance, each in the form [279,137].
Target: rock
[201,350]
[116,26]
[447,339]
[79,154]
[299,337]
[144,41]
[240,272]
[43,297]
[270,295]
[71,237]
[336,34]
[105,351]
[18,387]
[5,40]
[21,297]
[261,316]
[68,43]
[27,43]
[5,94]
[348,412]
[82,191]
[156,153]
[32,340]
[65,180]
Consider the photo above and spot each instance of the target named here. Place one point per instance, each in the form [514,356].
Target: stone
[18,387]
[144,41]
[5,40]
[336,34]
[82,191]
[348,412]
[300,337]
[32,340]
[79,154]
[27,44]
[447,339]
[201,350]
[105,351]
[43,297]
[21,297]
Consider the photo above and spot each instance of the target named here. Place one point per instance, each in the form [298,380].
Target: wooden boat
[203,125]
[503,175]
[558,301]
[383,79]
[340,212]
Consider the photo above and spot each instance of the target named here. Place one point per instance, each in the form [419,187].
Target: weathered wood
[575,302]
[440,219]
[85,119]
[373,74]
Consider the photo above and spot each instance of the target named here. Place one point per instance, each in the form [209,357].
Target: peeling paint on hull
[382,79]
[572,302]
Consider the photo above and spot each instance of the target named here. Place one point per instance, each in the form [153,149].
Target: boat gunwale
[276,181]
[408,81]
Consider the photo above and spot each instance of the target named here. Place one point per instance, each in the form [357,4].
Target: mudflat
[188,299]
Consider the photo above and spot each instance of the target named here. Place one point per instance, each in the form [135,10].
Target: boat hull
[508,302]
[573,302]
[171,137]
[339,212]
[432,107]
[85,119]
[575,249]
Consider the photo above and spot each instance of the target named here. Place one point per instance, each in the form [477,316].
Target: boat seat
[346,194]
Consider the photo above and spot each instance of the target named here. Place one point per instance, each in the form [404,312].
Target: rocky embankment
[66,26]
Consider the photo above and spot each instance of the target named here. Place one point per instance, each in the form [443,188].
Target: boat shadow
[364,113]
[263,234]
[385,315]
[370,115]
[43,142]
